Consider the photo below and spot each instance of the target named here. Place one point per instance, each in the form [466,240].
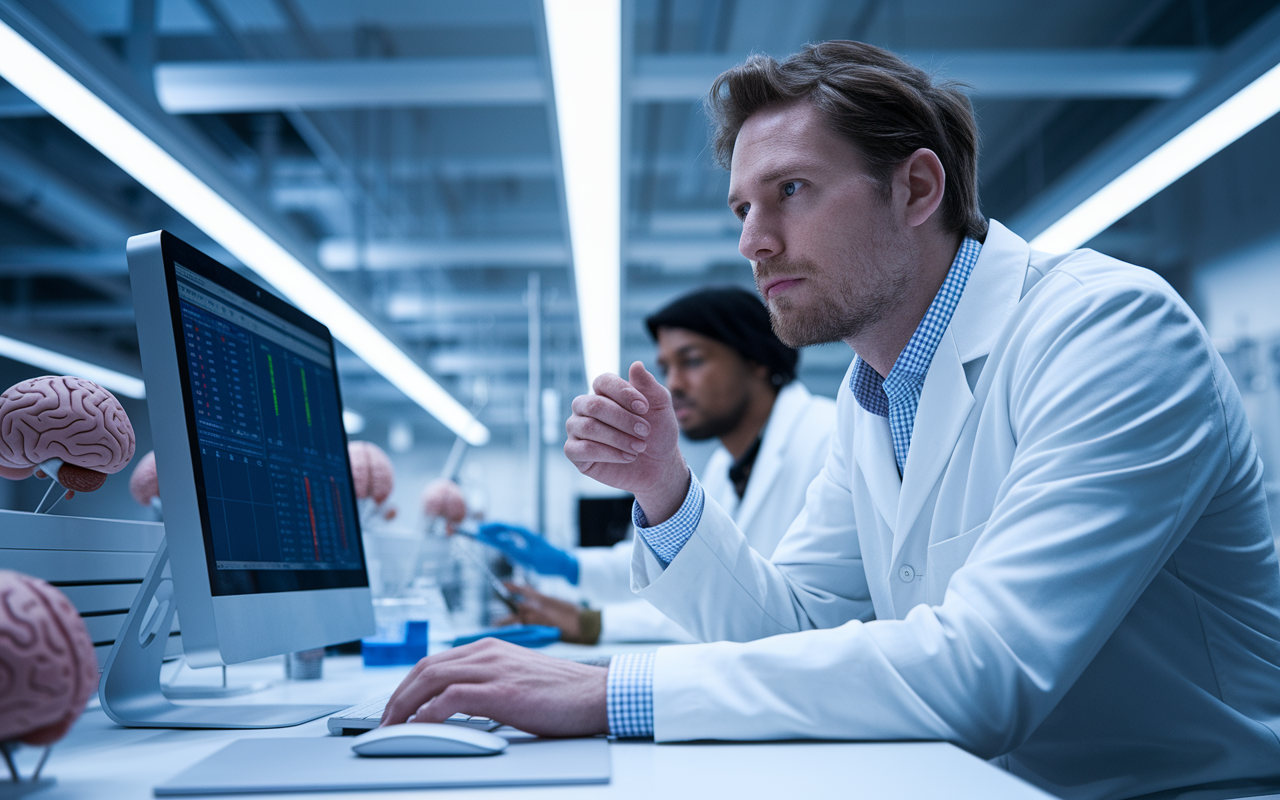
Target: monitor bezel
[251,581]
[222,628]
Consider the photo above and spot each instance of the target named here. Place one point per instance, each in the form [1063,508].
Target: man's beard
[715,427]
[837,314]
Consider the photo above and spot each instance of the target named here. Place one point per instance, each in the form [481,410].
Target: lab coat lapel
[785,416]
[873,453]
[945,404]
[989,300]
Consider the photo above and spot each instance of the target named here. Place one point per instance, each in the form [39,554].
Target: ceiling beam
[686,253]
[992,74]
[205,87]
[34,261]
[244,86]
[58,203]
[347,254]
[1057,74]
[73,314]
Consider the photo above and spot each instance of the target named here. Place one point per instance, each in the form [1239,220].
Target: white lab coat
[1074,576]
[792,452]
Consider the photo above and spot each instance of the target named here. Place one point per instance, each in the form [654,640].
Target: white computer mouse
[427,739]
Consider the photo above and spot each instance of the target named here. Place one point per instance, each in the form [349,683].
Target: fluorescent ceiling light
[1239,114]
[585,41]
[62,364]
[65,98]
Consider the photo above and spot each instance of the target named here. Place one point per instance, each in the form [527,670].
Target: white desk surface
[102,760]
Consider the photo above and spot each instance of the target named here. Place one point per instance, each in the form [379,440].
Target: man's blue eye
[789,188]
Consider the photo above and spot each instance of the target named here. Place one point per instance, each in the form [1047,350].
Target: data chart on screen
[275,480]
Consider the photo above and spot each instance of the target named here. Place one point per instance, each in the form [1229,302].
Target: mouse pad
[327,764]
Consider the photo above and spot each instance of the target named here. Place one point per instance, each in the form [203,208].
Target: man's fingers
[583,451]
[429,683]
[607,411]
[621,392]
[469,698]
[409,694]
[594,430]
[643,381]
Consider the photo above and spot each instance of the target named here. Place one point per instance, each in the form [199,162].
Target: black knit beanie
[735,317]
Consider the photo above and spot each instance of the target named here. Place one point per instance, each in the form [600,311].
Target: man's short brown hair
[886,107]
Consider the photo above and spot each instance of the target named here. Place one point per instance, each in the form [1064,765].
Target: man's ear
[922,181]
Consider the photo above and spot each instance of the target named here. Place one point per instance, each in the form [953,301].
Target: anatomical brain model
[143,483]
[374,476]
[69,428]
[47,666]
[443,499]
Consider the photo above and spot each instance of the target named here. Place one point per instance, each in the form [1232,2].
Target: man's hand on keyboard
[514,685]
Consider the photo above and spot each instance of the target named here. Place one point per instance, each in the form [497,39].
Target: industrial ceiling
[409,149]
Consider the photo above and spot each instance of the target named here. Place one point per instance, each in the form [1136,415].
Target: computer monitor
[259,504]
[604,521]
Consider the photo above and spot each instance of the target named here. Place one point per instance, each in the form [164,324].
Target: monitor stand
[130,688]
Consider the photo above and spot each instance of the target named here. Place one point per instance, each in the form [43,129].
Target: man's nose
[675,381]
[759,242]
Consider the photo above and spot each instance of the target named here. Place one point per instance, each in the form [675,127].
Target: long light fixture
[63,364]
[36,75]
[1237,115]
[585,42]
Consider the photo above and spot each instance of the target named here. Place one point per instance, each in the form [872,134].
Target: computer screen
[246,416]
[271,456]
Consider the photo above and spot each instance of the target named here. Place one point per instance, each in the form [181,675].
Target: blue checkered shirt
[897,397]
[667,539]
[629,690]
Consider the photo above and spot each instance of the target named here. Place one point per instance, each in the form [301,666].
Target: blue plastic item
[529,549]
[407,648]
[523,635]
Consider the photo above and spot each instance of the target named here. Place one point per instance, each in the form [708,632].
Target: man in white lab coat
[730,379]
[1041,533]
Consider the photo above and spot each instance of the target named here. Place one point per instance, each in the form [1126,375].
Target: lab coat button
[906,573]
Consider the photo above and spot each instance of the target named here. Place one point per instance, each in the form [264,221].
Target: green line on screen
[306,403]
[271,370]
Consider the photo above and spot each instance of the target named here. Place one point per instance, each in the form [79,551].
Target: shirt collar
[873,392]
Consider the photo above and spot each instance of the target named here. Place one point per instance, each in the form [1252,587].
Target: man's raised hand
[625,436]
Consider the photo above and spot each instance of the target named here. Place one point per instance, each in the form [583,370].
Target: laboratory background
[413,154]
[483,201]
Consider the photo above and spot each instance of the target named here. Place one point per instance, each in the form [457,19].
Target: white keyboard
[366,716]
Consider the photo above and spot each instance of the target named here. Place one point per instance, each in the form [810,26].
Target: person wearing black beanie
[730,379]
[735,317]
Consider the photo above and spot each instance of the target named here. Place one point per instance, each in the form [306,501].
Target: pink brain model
[442,498]
[143,483]
[47,667]
[372,471]
[66,418]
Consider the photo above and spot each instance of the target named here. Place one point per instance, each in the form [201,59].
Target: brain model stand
[47,668]
[65,428]
[375,479]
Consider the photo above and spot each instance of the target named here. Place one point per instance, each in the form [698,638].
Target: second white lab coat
[1075,574]
[792,452]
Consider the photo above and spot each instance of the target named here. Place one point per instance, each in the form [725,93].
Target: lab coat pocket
[944,559]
